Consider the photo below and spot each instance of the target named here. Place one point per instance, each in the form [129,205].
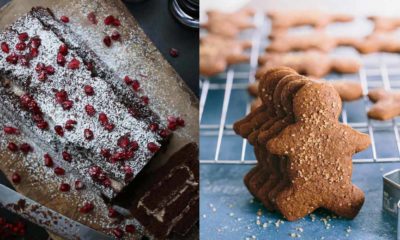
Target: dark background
[166,33]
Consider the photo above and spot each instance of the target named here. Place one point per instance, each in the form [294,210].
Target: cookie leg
[262,175]
[283,180]
[248,177]
[294,204]
[346,203]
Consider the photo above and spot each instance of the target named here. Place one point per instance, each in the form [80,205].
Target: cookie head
[306,106]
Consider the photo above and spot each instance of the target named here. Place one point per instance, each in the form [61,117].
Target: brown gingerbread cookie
[319,150]
[318,40]
[216,53]
[229,24]
[378,42]
[283,20]
[385,24]
[387,104]
[310,63]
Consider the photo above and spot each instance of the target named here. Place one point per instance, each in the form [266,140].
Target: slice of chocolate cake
[107,137]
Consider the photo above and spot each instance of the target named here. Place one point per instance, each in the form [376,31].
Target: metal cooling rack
[220,94]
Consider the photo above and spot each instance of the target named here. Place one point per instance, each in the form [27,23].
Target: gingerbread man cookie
[385,24]
[310,63]
[387,104]
[229,24]
[319,151]
[216,53]
[378,42]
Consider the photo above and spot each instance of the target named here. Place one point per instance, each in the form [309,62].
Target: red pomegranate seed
[172,126]
[118,233]
[23,36]
[92,17]
[90,110]
[145,100]
[4,47]
[133,146]
[60,59]
[48,160]
[89,66]
[37,118]
[12,58]
[63,49]
[64,19]
[65,187]
[23,60]
[180,122]
[119,156]
[115,35]
[21,46]
[153,147]
[12,147]
[50,70]
[59,130]
[88,134]
[10,130]
[109,127]
[35,42]
[34,52]
[164,133]
[171,119]
[89,90]
[127,169]
[61,96]
[74,64]
[94,171]
[79,185]
[135,85]
[87,208]
[105,153]
[153,127]
[66,156]
[130,228]
[107,182]
[173,52]
[39,67]
[16,178]
[69,125]
[67,105]
[123,142]
[43,125]
[42,76]
[59,171]
[109,20]
[112,213]
[128,80]
[26,148]
[107,41]
[103,119]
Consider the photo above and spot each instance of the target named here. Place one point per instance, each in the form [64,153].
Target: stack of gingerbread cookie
[303,152]
[220,47]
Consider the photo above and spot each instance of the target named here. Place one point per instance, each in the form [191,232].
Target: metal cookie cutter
[391,195]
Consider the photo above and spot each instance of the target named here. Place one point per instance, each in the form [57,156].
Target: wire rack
[224,99]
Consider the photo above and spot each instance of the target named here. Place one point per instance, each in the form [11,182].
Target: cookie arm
[361,140]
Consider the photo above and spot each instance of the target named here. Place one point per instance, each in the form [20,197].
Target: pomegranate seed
[64,19]
[23,36]
[105,153]
[173,52]
[42,76]
[103,119]
[128,80]
[59,130]
[60,59]
[145,100]
[135,85]
[109,20]
[4,47]
[12,58]
[34,52]
[109,127]
[48,160]
[37,118]
[107,41]
[180,122]
[89,90]
[89,66]
[171,119]
[39,67]
[130,228]
[90,110]
[74,64]
[88,134]
[79,185]
[36,42]
[67,105]
[116,22]
[94,171]
[50,70]
[43,125]
[107,182]
[172,126]
[115,35]
[59,171]
[12,147]
[153,147]
[92,18]
[66,156]
[63,49]
[87,207]
[69,125]
[23,60]
[164,133]
[133,146]
[65,187]
[16,178]
[21,46]
[10,130]
[112,213]
[26,148]
[61,96]
[123,142]
[118,233]
[153,127]
[119,156]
